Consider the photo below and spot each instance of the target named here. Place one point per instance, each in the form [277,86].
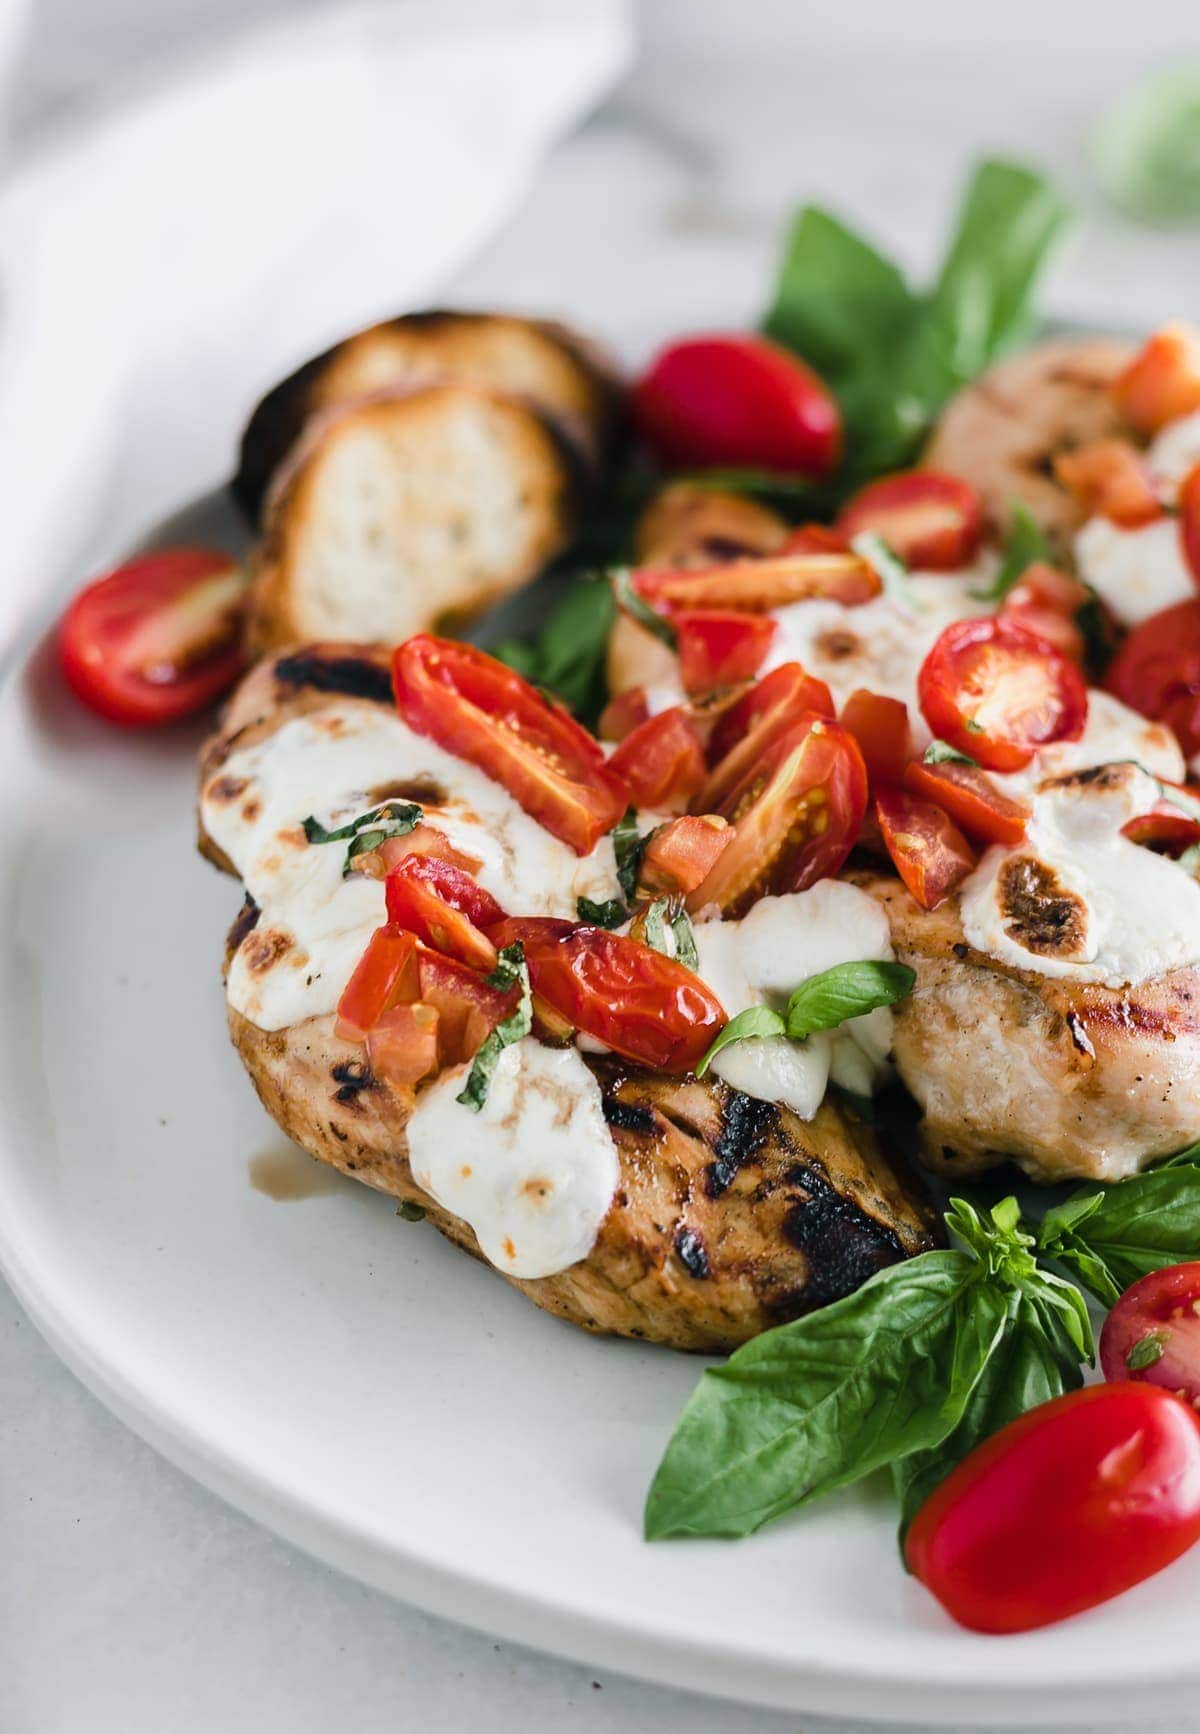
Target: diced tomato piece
[444,907]
[468,1008]
[761,583]
[813,539]
[662,762]
[795,817]
[386,974]
[929,851]
[1157,671]
[931,520]
[683,852]
[639,1003]
[425,839]
[1045,601]
[880,726]
[737,399]
[1162,382]
[719,647]
[749,726]
[1189,520]
[482,711]
[1165,827]
[402,1045]
[624,713]
[971,799]
[998,693]
[1110,480]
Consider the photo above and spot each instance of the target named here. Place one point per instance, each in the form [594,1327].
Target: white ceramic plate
[352,1381]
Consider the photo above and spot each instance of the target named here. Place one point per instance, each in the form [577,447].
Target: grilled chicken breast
[730,1214]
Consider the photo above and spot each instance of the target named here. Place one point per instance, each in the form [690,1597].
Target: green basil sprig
[511,971]
[369,830]
[611,913]
[628,848]
[667,912]
[567,657]
[848,990]
[1111,1237]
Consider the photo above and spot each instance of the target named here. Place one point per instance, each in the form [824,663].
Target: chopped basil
[611,913]
[941,753]
[1147,1351]
[685,940]
[1026,544]
[848,990]
[369,830]
[628,848]
[749,1025]
[638,608]
[511,970]
[666,912]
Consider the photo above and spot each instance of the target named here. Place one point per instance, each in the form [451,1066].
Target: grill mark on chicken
[745,1124]
[626,1116]
[244,922]
[1039,912]
[352,1076]
[355,676]
[843,1244]
[693,1254]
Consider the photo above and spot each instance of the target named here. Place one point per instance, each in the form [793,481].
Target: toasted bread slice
[410,512]
[560,373]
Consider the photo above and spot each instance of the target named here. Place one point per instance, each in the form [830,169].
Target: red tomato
[1157,671]
[737,400]
[637,1002]
[1047,602]
[998,693]
[386,975]
[762,582]
[743,734]
[661,763]
[795,816]
[719,647]
[813,539]
[1162,381]
[444,907]
[1165,828]
[425,840]
[1064,1508]
[158,638]
[468,1009]
[681,853]
[970,798]
[1153,1333]
[482,711]
[402,1045]
[1110,480]
[1189,520]
[932,521]
[929,851]
[623,713]
[880,726]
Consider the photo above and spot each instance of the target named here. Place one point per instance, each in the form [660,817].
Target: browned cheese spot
[1038,911]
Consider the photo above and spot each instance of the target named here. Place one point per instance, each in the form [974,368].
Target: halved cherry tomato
[737,400]
[758,584]
[795,816]
[444,907]
[402,1045]
[971,799]
[482,711]
[426,839]
[468,1008]
[1157,671]
[1162,381]
[1047,602]
[744,732]
[1165,827]
[623,713]
[1110,480]
[156,639]
[931,520]
[681,853]
[813,539]
[929,851]
[633,999]
[661,763]
[1153,1333]
[880,726]
[1189,520]
[386,974]
[998,692]
[719,647]
[1064,1508]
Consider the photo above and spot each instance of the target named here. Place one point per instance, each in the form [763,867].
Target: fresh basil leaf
[628,848]
[568,656]
[816,1404]
[392,819]
[636,606]
[667,912]
[848,990]
[893,573]
[941,753]
[1189,1158]
[1099,638]
[1112,1238]
[1026,544]
[511,971]
[685,939]
[611,913]
[756,1021]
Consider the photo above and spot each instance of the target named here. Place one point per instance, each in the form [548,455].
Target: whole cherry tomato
[998,692]
[1157,671]
[1064,1508]
[1153,1332]
[737,400]
[931,520]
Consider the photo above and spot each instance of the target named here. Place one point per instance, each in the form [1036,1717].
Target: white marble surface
[131,1600]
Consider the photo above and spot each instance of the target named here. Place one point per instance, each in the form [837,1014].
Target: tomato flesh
[1157,671]
[444,907]
[927,848]
[880,726]
[468,1008]
[970,798]
[661,763]
[931,520]
[1066,1507]
[1162,382]
[745,731]
[386,974]
[639,1003]
[795,816]
[762,583]
[682,853]
[623,713]
[1110,480]
[997,692]
[485,713]
[720,647]
[1165,828]
[402,1045]
[1046,602]
[1189,520]
[1153,1333]
[158,638]
[737,400]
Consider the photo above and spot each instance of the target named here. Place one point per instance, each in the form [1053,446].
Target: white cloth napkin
[164,263]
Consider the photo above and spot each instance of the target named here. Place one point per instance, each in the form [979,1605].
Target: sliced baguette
[410,512]
[562,374]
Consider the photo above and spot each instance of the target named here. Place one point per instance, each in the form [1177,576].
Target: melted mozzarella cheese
[1174,451]
[533,1172]
[1136,573]
[1112,735]
[314,924]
